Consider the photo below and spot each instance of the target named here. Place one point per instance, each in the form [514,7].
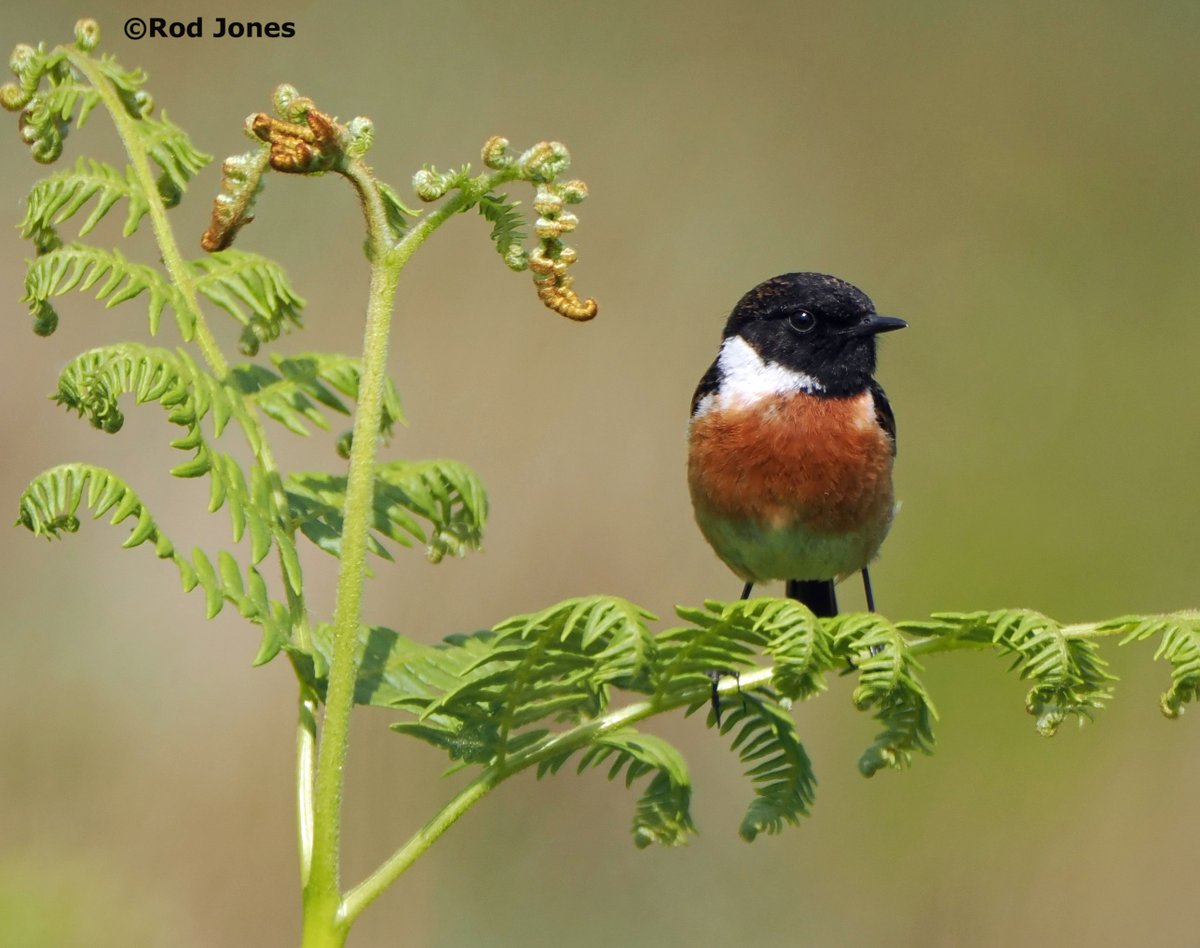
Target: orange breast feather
[821,463]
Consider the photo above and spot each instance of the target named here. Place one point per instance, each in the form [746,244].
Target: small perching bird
[792,440]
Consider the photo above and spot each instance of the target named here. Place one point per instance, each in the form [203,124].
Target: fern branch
[91,385]
[779,768]
[60,196]
[78,266]
[422,679]
[446,494]
[49,507]
[253,290]
[292,394]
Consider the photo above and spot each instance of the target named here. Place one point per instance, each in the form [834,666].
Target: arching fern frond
[81,266]
[49,507]
[170,148]
[727,637]
[91,384]
[292,394]
[446,494]
[1179,645]
[800,646]
[1070,678]
[888,685]
[495,690]
[253,290]
[507,223]
[60,196]
[663,813]
[768,746]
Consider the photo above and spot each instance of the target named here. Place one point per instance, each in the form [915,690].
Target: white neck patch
[746,380]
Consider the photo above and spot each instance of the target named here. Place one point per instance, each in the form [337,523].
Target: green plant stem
[371,888]
[306,769]
[363,894]
[321,894]
[323,882]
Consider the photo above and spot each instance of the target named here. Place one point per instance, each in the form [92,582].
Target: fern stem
[933,644]
[348,611]
[466,196]
[306,764]
[172,258]
[363,894]
[387,260]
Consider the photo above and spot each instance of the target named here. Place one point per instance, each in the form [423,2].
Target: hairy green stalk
[321,892]
[322,889]
[363,894]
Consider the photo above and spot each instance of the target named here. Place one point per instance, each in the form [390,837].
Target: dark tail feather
[817,594]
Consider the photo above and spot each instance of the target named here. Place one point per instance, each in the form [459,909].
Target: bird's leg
[875,649]
[867,589]
[715,677]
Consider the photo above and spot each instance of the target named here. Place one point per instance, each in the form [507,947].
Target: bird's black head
[815,324]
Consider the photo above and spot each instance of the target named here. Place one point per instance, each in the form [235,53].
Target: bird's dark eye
[801,322]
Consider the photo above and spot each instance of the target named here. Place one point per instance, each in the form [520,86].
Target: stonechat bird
[792,440]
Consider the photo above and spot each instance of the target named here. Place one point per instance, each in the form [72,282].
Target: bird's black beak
[875,324]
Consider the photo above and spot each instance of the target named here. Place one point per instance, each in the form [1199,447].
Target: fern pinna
[567,685]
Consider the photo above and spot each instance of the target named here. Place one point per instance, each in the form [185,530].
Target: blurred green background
[1018,180]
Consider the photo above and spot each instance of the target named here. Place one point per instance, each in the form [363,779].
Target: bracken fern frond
[291,394]
[91,384]
[49,507]
[446,494]
[253,290]
[79,266]
[768,746]
[60,196]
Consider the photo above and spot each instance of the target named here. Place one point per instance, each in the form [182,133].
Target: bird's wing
[708,385]
[883,412]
